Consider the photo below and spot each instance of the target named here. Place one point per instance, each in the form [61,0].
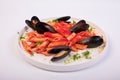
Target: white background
[104,13]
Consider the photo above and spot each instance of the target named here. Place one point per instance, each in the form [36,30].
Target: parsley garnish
[32,54]
[90,29]
[76,57]
[74,22]
[86,54]
[38,43]
[55,20]
[72,58]
[22,37]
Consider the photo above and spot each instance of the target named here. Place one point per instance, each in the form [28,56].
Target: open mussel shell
[33,22]
[92,42]
[29,23]
[80,26]
[64,18]
[42,27]
[60,52]
[60,55]
[35,19]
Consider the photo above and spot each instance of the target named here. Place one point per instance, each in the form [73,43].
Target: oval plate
[43,62]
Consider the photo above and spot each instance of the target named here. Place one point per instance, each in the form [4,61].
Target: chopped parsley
[90,29]
[74,22]
[38,43]
[22,37]
[72,58]
[77,56]
[55,20]
[32,54]
[86,54]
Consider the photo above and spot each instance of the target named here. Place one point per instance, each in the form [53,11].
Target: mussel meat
[92,42]
[42,27]
[60,55]
[65,18]
[80,26]
[60,52]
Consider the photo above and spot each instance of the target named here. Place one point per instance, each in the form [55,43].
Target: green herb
[72,58]
[32,54]
[76,57]
[38,43]
[74,22]
[68,61]
[86,54]
[55,20]
[22,37]
[90,29]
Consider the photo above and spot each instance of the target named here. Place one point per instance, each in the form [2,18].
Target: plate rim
[64,68]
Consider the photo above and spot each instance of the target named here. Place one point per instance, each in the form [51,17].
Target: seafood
[33,22]
[60,51]
[29,23]
[42,27]
[60,55]
[80,26]
[65,18]
[92,42]
[59,38]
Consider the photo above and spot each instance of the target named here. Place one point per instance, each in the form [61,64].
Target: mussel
[60,55]
[92,42]
[58,49]
[60,52]
[80,26]
[35,19]
[39,26]
[33,22]
[42,27]
[64,18]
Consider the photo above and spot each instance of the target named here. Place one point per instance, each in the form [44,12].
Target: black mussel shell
[65,18]
[58,49]
[68,22]
[42,27]
[29,23]
[60,55]
[80,26]
[35,20]
[92,42]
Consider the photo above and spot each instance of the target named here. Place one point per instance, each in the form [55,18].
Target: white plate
[44,62]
